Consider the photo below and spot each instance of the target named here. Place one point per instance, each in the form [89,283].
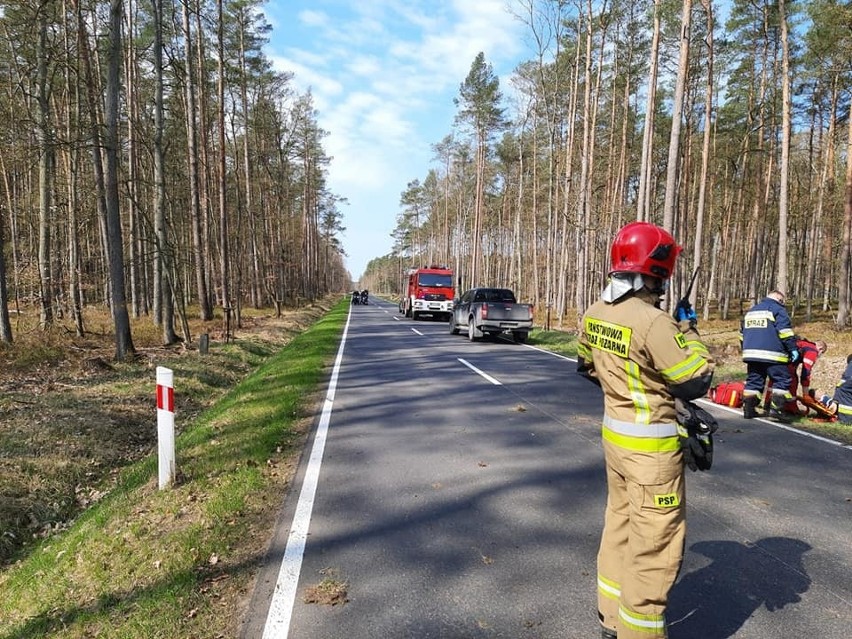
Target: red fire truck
[429,291]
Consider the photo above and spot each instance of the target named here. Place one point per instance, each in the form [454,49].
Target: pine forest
[154,163]
[728,124]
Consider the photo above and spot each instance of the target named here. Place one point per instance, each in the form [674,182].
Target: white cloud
[307,77]
[383,75]
[313,18]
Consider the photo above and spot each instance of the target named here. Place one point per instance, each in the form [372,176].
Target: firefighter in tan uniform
[643,360]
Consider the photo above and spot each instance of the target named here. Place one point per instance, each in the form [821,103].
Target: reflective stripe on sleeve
[697,347]
[843,408]
[785,333]
[684,369]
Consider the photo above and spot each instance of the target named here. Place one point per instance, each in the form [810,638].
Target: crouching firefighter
[646,362]
[769,346]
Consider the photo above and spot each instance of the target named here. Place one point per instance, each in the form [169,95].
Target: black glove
[694,418]
[696,435]
[694,454]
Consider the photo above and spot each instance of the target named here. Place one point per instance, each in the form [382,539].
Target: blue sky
[383,74]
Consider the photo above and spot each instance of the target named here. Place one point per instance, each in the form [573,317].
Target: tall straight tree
[164,308]
[45,163]
[643,200]
[121,318]
[846,237]
[224,246]
[72,168]
[677,116]
[479,102]
[784,187]
[705,149]
[205,311]
[5,325]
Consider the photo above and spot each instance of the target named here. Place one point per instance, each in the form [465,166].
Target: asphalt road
[464,499]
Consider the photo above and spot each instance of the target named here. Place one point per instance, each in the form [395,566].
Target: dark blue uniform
[768,340]
[843,395]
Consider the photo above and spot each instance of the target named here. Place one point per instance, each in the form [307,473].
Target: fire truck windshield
[443,280]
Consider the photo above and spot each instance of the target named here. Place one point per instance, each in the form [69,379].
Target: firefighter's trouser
[778,372]
[641,551]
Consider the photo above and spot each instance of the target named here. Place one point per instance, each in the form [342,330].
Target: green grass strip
[176,563]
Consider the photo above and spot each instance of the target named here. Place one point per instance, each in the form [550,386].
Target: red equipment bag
[728,394]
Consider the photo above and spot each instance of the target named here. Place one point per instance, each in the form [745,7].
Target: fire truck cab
[429,291]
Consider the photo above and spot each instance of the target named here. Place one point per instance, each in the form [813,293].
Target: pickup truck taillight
[532,311]
[484,311]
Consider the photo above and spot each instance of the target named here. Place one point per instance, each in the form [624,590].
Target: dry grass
[331,591]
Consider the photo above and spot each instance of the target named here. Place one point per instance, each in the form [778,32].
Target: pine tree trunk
[205,311]
[846,243]
[45,174]
[643,200]
[121,319]
[677,118]
[164,307]
[784,187]
[224,245]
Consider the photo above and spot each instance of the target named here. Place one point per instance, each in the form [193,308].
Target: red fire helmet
[642,247]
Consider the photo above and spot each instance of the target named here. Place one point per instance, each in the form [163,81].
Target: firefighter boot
[750,403]
[776,408]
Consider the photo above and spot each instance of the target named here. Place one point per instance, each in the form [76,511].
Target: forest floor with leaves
[71,416]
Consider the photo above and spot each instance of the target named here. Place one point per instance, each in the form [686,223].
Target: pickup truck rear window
[495,295]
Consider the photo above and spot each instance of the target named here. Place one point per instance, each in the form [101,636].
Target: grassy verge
[561,342]
[178,563]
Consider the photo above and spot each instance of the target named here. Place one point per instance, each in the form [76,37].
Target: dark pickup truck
[491,311]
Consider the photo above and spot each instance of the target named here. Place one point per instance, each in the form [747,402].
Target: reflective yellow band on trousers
[654,624]
[608,588]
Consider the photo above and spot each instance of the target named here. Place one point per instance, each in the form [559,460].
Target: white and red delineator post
[166,425]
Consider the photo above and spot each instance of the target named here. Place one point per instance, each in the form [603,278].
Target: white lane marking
[787,427]
[479,372]
[414,330]
[281,606]
[544,350]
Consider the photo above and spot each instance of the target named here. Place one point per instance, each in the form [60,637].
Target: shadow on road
[715,601]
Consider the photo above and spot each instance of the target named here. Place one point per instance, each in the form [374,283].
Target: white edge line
[284,596]
[479,372]
[708,402]
[787,427]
